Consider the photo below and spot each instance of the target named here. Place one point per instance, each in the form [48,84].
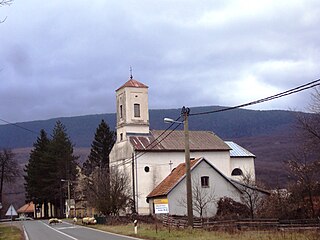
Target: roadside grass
[8,232]
[148,231]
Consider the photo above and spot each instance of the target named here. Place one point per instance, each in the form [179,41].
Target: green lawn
[8,232]
[148,231]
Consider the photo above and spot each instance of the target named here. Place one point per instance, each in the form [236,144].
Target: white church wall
[160,165]
[246,164]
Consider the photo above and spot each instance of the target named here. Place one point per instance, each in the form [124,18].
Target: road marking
[60,231]
[25,233]
[120,235]
[61,228]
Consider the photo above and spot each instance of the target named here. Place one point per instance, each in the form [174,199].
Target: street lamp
[68,202]
[185,113]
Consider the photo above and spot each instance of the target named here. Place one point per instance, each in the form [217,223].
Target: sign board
[11,211]
[161,206]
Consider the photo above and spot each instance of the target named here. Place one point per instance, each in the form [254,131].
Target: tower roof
[132,83]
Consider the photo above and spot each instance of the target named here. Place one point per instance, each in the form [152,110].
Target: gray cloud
[67,58]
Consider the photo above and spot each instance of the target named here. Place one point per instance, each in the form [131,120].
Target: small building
[27,210]
[208,186]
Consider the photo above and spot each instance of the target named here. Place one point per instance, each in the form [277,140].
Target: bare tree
[309,125]
[252,195]
[305,176]
[304,164]
[9,168]
[108,193]
[3,3]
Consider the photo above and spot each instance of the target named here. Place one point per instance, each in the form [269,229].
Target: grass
[8,232]
[148,231]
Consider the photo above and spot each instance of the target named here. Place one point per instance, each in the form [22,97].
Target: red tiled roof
[27,208]
[133,83]
[171,180]
[199,141]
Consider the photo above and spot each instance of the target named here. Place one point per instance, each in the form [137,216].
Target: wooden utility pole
[133,188]
[185,112]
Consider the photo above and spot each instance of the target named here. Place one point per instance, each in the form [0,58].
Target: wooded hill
[228,125]
[267,134]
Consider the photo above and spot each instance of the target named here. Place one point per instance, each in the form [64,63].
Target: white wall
[246,164]
[158,163]
[218,187]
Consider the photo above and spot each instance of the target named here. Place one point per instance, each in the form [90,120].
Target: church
[149,156]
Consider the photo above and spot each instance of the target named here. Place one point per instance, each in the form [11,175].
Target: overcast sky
[66,58]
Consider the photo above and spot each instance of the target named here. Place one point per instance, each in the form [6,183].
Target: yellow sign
[161,201]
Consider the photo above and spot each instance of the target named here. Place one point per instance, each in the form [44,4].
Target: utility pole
[185,112]
[133,188]
[68,202]
[68,198]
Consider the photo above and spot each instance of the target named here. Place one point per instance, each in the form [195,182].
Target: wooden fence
[243,224]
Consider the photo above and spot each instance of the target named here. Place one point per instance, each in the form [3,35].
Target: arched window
[136,110]
[236,172]
[121,113]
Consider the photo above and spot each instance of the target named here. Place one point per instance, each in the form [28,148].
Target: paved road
[40,230]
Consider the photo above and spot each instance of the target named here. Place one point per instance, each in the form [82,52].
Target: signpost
[11,212]
[161,206]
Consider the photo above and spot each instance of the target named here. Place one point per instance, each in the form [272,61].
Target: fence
[242,224]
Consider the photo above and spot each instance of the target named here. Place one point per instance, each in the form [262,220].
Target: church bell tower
[132,109]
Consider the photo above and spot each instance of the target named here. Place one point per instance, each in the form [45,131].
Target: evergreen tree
[36,171]
[50,161]
[9,168]
[100,149]
[62,161]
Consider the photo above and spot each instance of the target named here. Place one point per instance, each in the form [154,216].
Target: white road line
[120,235]
[60,231]
[25,233]
[61,228]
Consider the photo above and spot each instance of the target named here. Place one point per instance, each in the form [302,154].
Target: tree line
[52,164]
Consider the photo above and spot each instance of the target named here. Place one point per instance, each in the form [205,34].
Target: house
[148,156]
[27,210]
[208,186]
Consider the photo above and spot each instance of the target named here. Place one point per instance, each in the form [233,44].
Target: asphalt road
[41,230]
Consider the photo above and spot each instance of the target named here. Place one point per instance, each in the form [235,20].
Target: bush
[230,209]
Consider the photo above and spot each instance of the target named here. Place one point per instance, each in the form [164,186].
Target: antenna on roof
[131,77]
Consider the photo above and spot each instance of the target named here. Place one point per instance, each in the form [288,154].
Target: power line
[18,126]
[279,95]
[125,161]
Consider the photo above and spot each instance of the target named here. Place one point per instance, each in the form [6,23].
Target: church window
[204,181]
[136,110]
[236,172]
[146,169]
[121,136]
[121,113]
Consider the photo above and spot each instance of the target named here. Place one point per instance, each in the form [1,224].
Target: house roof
[177,175]
[246,186]
[157,141]
[238,151]
[133,83]
[27,208]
